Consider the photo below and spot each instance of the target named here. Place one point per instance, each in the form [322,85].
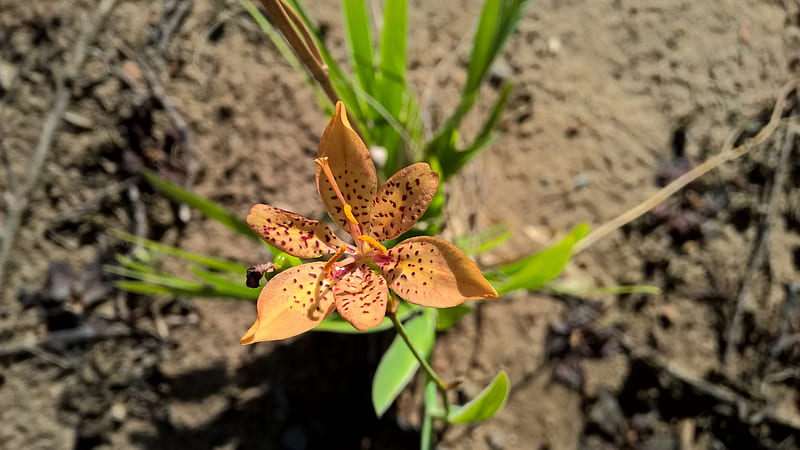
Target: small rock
[669,315]
[554,45]
[499,72]
[132,71]
[78,120]
[7,74]
[118,412]
[496,441]
[581,181]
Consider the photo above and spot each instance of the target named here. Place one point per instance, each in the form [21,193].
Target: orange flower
[426,271]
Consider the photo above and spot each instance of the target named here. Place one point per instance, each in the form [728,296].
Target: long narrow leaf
[484,41]
[393,55]
[483,241]
[134,265]
[486,404]
[211,262]
[448,317]
[209,208]
[156,278]
[426,435]
[145,288]
[224,285]
[359,40]
[453,161]
[498,20]
[539,269]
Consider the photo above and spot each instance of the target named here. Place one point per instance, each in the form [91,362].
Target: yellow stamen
[348,212]
[355,228]
[326,269]
[373,243]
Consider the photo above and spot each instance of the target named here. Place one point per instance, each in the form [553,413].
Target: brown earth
[611,100]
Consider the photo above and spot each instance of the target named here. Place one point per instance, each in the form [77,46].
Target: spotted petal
[361,298]
[352,168]
[428,271]
[292,233]
[293,302]
[402,200]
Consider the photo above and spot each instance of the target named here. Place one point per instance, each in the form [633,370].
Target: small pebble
[496,441]
[581,181]
[554,45]
[669,315]
[119,412]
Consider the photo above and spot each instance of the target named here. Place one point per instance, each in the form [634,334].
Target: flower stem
[440,385]
[301,40]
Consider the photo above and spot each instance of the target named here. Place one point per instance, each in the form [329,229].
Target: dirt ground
[612,99]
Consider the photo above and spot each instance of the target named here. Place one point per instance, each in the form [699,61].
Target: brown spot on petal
[446,279]
[308,238]
[396,200]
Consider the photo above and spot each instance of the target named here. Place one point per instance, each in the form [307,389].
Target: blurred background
[611,100]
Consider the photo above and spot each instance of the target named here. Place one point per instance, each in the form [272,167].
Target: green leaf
[448,317]
[359,40]
[498,20]
[483,241]
[426,435]
[156,278]
[398,364]
[209,208]
[392,80]
[146,288]
[614,290]
[539,269]
[152,282]
[219,264]
[485,405]
[457,159]
[224,285]
[134,265]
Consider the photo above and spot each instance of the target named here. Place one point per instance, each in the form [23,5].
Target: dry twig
[173,22]
[727,154]
[760,252]
[20,202]
[753,409]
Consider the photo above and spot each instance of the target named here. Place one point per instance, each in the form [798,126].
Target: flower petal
[402,200]
[293,302]
[352,167]
[429,271]
[361,298]
[292,233]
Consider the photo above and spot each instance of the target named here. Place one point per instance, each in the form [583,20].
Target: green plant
[383,111]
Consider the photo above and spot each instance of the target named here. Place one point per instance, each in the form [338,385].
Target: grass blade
[224,286]
[219,264]
[393,57]
[359,40]
[209,208]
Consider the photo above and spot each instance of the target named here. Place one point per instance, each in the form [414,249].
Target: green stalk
[440,385]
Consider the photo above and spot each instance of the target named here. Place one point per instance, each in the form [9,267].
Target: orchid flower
[356,279]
